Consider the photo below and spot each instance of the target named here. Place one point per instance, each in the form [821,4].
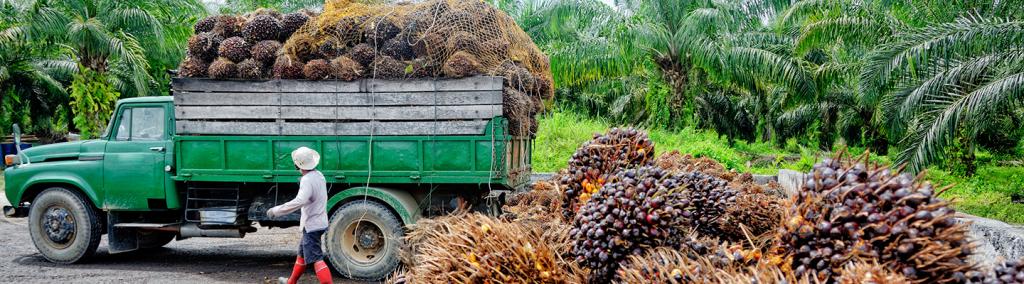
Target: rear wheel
[363,240]
[63,225]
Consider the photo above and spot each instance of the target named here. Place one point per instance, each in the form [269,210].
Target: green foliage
[92,101]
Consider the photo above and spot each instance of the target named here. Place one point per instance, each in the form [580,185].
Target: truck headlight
[10,160]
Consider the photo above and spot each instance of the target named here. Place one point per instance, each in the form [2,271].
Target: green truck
[209,160]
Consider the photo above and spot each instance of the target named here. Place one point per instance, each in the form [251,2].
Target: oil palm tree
[31,86]
[105,35]
[944,83]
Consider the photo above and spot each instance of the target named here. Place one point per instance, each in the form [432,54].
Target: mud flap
[120,239]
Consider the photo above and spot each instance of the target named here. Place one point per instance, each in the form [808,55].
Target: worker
[312,200]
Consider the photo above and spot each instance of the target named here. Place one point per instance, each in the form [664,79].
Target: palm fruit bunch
[193,67]
[317,69]
[704,201]
[638,208]
[265,51]
[1009,272]
[251,69]
[388,68]
[847,210]
[235,49]
[597,160]
[222,68]
[473,248]
[262,27]
[754,214]
[291,22]
[461,64]
[346,69]
[288,68]
[204,45]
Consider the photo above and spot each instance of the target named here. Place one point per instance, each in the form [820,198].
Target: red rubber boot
[323,273]
[300,266]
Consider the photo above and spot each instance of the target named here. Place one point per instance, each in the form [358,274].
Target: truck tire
[148,240]
[374,254]
[63,225]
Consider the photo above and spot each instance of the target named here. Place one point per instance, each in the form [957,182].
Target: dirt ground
[257,258]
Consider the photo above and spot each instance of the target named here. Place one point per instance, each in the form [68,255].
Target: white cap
[305,158]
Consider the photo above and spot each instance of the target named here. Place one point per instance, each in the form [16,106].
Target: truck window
[123,127]
[147,124]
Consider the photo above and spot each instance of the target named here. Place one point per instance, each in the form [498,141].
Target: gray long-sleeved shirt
[312,199]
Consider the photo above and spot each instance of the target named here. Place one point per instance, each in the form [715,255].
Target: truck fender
[62,178]
[402,202]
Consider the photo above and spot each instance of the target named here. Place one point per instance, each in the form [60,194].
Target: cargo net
[352,40]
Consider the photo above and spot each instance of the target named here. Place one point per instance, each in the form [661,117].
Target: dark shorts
[309,246]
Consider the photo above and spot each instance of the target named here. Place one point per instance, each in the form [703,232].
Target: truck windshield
[110,123]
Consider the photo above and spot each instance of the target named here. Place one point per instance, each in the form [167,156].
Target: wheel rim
[363,242]
[59,226]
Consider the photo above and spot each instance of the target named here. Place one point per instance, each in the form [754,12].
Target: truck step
[145,225]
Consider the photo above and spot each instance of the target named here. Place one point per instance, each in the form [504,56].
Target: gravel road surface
[257,258]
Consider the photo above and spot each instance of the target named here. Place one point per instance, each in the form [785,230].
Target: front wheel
[63,226]
[363,240]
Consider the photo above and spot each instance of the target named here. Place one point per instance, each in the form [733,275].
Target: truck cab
[151,178]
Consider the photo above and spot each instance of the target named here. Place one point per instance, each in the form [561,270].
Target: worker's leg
[312,253]
[300,263]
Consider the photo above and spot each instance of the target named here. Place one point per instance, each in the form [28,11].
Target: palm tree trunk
[675,73]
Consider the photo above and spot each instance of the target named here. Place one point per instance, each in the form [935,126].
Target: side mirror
[17,144]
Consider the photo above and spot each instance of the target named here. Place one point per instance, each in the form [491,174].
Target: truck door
[133,165]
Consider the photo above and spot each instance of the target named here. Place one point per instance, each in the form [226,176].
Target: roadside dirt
[260,257]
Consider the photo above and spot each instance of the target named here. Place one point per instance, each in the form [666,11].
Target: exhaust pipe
[192,230]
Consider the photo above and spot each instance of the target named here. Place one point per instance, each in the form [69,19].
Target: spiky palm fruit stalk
[637,208]
[267,12]
[430,43]
[266,51]
[869,273]
[222,68]
[473,248]
[204,45]
[379,30]
[251,69]
[363,53]
[318,69]
[848,210]
[597,160]
[291,22]
[708,263]
[461,64]
[346,69]
[261,27]
[235,49]
[288,68]
[193,67]
[387,68]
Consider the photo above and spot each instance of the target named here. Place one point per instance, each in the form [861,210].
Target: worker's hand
[270,213]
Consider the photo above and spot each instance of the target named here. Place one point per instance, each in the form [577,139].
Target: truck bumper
[15,212]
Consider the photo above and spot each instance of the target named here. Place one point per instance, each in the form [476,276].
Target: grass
[988,194]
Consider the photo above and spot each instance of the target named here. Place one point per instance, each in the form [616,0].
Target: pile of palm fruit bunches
[620,214]
[350,41]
